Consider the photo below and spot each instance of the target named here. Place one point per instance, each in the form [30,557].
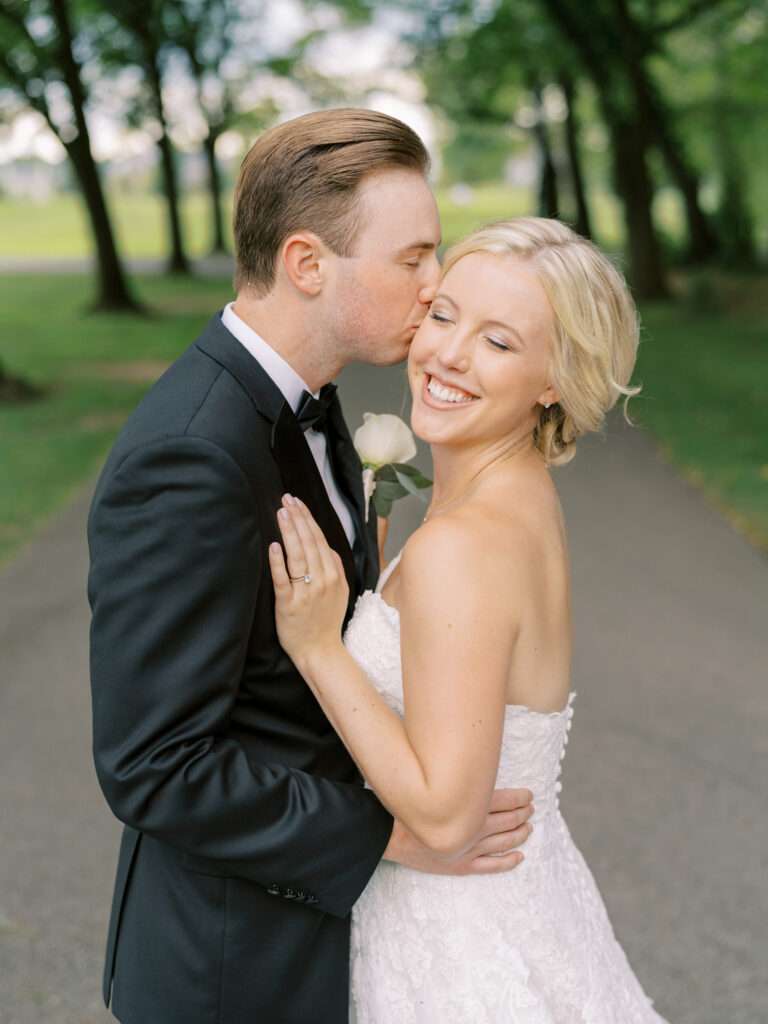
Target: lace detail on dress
[533,946]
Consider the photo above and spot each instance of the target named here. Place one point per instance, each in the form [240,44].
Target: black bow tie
[312,412]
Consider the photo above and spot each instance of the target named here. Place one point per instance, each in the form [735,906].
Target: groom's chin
[390,358]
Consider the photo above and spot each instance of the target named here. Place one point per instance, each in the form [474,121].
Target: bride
[454,676]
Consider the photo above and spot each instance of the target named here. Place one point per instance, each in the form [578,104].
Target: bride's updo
[596,325]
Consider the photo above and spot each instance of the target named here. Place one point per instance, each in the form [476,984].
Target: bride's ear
[548,397]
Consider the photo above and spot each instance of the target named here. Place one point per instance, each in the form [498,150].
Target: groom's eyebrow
[428,246]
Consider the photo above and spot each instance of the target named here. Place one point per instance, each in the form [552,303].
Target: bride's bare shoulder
[475,549]
[456,550]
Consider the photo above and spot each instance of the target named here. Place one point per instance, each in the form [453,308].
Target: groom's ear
[303,256]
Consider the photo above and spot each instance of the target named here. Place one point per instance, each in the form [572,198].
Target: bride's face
[478,365]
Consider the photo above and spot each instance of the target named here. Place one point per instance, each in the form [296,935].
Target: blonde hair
[596,325]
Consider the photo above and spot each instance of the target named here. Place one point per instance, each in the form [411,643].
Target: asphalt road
[665,779]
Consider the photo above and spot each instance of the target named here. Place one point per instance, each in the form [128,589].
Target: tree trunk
[549,205]
[653,112]
[632,182]
[583,223]
[218,244]
[113,292]
[177,261]
[629,143]
[737,229]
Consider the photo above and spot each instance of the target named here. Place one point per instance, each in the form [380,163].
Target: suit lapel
[297,467]
[217,342]
[301,477]
[348,472]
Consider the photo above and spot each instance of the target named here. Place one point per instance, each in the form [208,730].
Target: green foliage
[703,397]
[94,370]
[394,481]
[476,153]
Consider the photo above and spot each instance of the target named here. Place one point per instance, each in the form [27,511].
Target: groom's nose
[427,293]
[429,288]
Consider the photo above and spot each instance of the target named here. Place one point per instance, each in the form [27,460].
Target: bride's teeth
[447,394]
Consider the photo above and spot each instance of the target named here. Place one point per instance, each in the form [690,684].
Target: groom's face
[382,291]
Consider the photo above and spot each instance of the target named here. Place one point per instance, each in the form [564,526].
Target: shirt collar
[282,373]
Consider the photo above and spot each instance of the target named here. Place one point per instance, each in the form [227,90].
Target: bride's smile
[438,393]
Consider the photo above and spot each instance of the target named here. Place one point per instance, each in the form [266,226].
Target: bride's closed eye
[500,345]
[441,319]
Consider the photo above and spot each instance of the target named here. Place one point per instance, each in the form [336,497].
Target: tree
[205,31]
[139,38]
[496,69]
[636,41]
[39,57]
[595,45]
[583,221]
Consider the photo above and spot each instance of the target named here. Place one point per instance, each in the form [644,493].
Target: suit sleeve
[176,553]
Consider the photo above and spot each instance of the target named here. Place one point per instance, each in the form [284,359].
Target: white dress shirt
[292,387]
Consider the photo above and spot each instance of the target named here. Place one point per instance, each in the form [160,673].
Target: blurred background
[644,125]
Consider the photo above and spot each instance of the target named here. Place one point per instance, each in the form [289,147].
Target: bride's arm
[435,770]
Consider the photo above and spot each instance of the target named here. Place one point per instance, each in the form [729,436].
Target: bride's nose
[454,352]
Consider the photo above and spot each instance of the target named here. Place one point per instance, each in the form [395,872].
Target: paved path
[665,775]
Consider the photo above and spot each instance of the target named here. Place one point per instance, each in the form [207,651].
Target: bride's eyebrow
[507,327]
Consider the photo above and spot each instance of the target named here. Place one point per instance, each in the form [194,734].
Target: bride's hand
[309,615]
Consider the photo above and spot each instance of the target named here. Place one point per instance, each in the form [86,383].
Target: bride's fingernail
[282,513]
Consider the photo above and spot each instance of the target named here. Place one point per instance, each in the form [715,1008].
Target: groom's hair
[304,175]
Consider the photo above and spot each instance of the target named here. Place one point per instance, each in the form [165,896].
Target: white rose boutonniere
[384,444]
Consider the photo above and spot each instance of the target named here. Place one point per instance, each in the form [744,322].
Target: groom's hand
[496,849]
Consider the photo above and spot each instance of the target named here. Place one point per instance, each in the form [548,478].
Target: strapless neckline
[393,615]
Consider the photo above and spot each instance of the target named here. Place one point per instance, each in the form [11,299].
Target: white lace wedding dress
[531,946]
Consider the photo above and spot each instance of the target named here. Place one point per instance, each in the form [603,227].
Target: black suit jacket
[249,835]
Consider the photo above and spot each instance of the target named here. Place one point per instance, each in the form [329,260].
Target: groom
[248,834]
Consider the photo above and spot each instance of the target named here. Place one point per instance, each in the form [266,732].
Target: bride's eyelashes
[500,346]
[439,318]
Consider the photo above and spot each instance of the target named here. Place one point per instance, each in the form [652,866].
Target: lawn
[57,228]
[702,361]
[95,369]
[704,377]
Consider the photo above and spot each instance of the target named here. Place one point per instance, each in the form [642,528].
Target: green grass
[704,378]
[58,228]
[701,369]
[95,368]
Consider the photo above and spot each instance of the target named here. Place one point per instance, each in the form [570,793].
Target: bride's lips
[439,403]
